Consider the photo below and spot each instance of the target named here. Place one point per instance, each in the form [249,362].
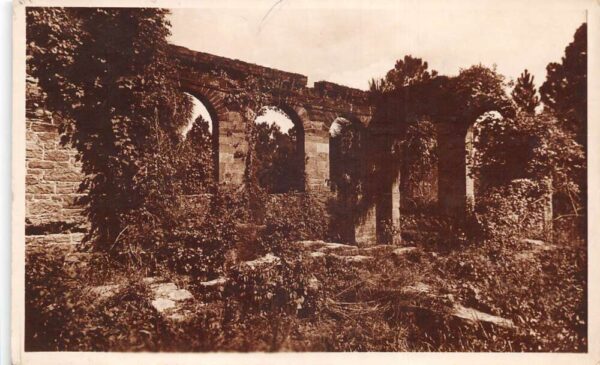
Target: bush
[519,209]
[198,246]
[293,217]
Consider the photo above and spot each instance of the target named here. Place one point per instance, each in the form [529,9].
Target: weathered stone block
[44,127]
[38,164]
[56,155]
[44,188]
[63,175]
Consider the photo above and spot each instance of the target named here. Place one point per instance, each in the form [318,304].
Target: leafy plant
[108,78]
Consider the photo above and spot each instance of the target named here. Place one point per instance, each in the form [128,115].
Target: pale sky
[350,42]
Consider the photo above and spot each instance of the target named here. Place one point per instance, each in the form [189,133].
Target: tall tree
[107,75]
[524,94]
[565,89]
[406,72]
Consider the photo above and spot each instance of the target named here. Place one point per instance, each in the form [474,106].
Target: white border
[65,358]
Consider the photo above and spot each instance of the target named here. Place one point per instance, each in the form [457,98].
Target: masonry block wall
[52,175]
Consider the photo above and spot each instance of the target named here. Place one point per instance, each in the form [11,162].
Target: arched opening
[419,168]
[347,140]
[279,146]
[201,144]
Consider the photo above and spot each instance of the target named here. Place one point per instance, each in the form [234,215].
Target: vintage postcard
[297,180]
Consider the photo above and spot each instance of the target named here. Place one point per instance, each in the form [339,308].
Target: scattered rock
[403,250]
[152,280]
[331,246]
[539,244]
[180,294]
[163,289]
[417,288]
[313,283]
[162,304]
[473,315]
[268,259]
[216,282]
[352,259]
[104,292]
[168,298]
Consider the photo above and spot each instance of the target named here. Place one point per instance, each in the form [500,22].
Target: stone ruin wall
[52,177]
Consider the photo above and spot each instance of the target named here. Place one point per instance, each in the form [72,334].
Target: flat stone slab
[538,244]
[180,294]
[168,299]
[417,288]
[352,259]
[162,304]
[311,243]
[375,248]
[473,315]
[266,260]
[337,246]
[212,283]
[403,250]
[163,289]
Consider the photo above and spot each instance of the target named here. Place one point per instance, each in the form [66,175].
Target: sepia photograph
[300,176]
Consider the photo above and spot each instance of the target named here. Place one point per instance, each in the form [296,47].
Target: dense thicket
[108,77]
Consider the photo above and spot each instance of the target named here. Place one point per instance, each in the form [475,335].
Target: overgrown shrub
[542,291]
[199,244]
[293,217]
[62,315]
[519,209]
[108,77]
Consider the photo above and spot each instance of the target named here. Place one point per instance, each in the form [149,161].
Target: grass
[359,307]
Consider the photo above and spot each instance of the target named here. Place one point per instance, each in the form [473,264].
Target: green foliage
[524,93]
[565,90]
[419,163]
[407,71]
[347,148]
[292,217]
[107,76]
[279,164]
[62,315]
[199,244]
[514,210]
[479,89]
[527,146]
[193,160]
[542,292]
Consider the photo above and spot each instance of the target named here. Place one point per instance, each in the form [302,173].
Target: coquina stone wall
[53,175]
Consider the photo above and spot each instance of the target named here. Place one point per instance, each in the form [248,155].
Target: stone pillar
[365,231]
[452,182]
[548,211]
[386,187]
[316,149]
[395,196]
[233,148]
[469,179]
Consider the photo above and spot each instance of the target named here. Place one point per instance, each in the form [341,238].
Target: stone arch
[297,162]
[340,125]
[419,168]
[214,105]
